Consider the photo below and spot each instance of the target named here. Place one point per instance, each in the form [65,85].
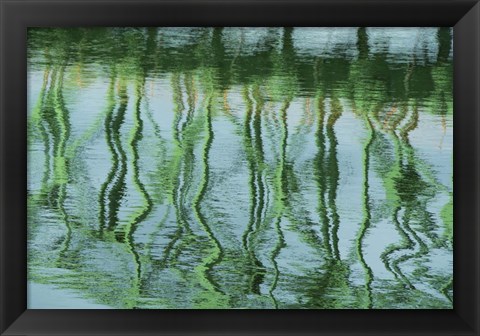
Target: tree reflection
[192,116]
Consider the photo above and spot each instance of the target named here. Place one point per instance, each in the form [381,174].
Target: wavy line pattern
[248,168]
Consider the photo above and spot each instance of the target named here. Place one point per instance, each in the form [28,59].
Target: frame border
[17,15]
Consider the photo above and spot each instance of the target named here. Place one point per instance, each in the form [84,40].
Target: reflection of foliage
[163,224]
[135,50]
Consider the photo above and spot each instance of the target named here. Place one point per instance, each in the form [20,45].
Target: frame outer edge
[3,289]
[12,251]
[469,311]
[3,305]
[476,102]
[477,107]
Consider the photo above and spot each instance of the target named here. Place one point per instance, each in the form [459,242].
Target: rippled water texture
[240,168]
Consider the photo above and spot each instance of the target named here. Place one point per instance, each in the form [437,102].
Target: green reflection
[250,168]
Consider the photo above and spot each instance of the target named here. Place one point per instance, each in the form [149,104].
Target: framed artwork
[240,168]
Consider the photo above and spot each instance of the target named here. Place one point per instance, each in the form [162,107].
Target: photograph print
[240,168]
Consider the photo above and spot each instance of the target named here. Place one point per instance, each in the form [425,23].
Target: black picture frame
[18,15]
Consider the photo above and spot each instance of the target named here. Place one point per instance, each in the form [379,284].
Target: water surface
[240,168]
